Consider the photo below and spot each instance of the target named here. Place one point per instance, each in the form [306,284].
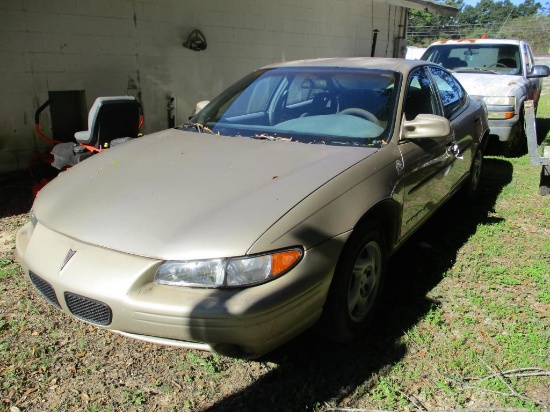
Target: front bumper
[504,129]
[238,322]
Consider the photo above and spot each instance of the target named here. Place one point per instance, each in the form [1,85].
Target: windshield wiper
[474,69]
[265,136]
[198,127]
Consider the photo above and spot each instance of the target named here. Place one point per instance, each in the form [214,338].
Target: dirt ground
[49,361]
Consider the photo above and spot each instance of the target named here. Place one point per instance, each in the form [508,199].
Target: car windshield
[334,106]
[471,57]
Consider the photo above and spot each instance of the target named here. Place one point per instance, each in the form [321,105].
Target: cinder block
[77,25]
[254,21]
[12,63]
[210,18]
[234,20]
[65,6]
[13,21]
[111,27]
[47,62]
[220,34]
[153,12]
[16,42]
[123,9]
[11,5]
[43,22]
[98,8]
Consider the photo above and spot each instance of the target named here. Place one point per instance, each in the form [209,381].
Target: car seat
[322,103]
[508,62]
[454,62]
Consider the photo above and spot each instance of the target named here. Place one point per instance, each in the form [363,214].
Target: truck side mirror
[539,71]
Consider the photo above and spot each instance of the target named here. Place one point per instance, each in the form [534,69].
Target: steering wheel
[365,114]
[499,65]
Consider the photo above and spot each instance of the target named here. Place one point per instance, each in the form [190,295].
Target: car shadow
[15,194]
[311,371]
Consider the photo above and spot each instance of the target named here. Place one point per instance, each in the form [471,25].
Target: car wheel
[517,145]
[471,186]
[356,286]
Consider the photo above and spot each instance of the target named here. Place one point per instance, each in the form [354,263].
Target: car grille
[88,309]
[45,289]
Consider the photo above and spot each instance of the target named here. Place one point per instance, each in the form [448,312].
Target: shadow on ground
[15,194]
[312,371]
[543,128]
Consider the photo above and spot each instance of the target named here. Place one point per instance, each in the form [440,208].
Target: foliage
[535,29]
[497,19]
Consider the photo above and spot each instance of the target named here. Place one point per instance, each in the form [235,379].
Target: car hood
[482,84]
[182,195]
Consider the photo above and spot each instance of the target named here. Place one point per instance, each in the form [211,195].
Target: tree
[430,25]
[486,17]
[534,28]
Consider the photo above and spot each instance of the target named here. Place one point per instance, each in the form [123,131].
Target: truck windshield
[467,57]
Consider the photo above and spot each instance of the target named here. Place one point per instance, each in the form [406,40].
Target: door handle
[454,151]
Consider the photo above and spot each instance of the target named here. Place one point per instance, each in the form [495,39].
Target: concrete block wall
[119,47]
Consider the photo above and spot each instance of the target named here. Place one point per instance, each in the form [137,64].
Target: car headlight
[500,100]
[230,272]
[500,107]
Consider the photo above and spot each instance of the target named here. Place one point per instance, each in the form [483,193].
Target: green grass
[466,326]
[485,339]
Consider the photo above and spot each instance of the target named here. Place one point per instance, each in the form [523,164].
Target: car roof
[477,41]
[381,63]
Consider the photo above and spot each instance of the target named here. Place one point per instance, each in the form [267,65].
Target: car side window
[421,97]
[451,92]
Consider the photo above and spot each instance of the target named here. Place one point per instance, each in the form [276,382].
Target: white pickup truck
[503,73]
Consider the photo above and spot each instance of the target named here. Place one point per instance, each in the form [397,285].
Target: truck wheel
[356,286]
[517,145]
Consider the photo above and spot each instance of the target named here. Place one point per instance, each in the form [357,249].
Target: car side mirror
[426,126]
[539,71]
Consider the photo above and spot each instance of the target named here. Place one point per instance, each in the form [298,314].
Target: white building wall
[118,47]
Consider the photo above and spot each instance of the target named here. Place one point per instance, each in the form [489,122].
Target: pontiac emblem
[68,257]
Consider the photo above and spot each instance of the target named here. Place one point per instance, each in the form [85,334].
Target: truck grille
[45,289]
[88,309]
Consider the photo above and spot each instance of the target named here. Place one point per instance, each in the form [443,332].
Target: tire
[356,286]
[471,188]
[517,145]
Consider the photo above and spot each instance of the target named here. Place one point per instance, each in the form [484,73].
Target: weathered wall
[118,47]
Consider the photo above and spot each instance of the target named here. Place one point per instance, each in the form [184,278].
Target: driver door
[426,162]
